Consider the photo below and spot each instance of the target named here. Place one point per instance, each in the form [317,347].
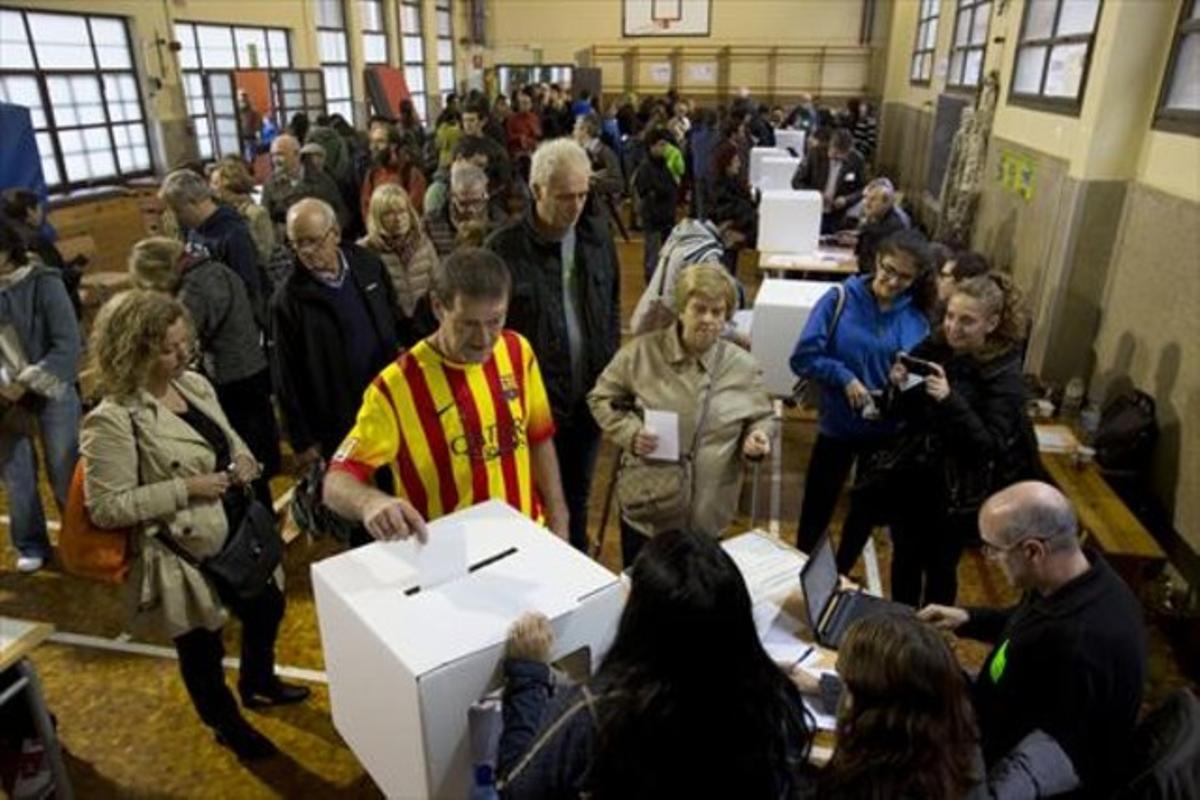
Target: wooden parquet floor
[130,732]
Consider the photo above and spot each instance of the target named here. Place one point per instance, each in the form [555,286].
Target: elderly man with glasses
[1070,658]
[333,328]
[467,216]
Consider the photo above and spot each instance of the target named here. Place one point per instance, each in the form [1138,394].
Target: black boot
[275,693]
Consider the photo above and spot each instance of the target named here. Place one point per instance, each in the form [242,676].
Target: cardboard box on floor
[404,667]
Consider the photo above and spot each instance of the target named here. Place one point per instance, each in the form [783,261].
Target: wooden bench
[1107,523]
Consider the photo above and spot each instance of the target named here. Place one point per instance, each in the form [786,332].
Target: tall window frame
[972,22]
[333,53]
[1054,54]
[77,75]
[208,51]
[920,69]
[444,13]
[375,40]
[412,53]
[1178,109]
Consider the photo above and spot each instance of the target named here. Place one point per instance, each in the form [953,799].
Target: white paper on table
[783,645]
[664,425]
[444,556]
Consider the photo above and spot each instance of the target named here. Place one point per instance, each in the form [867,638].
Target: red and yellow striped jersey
[454,434]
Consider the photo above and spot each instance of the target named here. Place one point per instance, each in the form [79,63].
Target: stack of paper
[1056,439]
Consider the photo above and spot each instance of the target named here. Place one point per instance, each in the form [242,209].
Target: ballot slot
[478,565]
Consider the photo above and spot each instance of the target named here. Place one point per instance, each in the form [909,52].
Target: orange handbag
[86,550]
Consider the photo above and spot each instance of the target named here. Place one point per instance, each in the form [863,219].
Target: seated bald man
[1070,657]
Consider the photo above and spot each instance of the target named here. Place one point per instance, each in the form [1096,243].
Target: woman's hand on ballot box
[530,638]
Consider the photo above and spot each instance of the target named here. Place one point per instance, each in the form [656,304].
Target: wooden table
[1107,522]
[18,637]
[826,262]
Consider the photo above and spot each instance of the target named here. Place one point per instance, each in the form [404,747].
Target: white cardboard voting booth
[777,172]
[404,666]
[789,221]
[780,310]
[787,139]
[757,154]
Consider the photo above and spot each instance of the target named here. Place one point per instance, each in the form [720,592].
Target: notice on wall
[702,73]
[1017,172]
[660,73]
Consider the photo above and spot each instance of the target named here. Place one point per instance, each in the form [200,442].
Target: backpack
[692,241]
[1127,433]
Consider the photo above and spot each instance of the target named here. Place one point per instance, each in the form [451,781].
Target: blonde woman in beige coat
[395,234]
[670,370]
[161,457]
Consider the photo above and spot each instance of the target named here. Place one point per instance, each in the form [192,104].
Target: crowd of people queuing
[433,315]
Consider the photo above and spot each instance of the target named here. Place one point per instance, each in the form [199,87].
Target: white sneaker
[30,563]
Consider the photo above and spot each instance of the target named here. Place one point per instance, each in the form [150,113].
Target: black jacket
[733,203]
[658,194]
[872,234]
[227,239]
[813,173]
[536,308]
[1071,664]
[318,396]
[978,439]
[550,733]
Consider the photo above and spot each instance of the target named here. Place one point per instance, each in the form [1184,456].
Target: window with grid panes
[75,74]
[374,32]
[205,48]
[445,47]
[333,51]
[412,53]
[921,68]
[971,20]
[1050,68]
[1179,98]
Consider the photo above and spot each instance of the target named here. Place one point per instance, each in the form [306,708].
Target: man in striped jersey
[461,418]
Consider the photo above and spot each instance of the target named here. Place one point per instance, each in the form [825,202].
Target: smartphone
[918,366]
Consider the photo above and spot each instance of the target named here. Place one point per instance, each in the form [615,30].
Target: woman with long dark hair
[685,704]
[905,726]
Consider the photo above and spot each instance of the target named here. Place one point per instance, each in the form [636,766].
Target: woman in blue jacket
[849,356]
[39,355]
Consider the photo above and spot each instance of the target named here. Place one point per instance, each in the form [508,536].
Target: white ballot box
[786,139]
[789,221]
[405,661]
[780,311]
[777,172]
[757,154]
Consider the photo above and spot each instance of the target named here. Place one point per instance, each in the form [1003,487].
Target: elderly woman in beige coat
[395,234]
[672,370]
[161,457]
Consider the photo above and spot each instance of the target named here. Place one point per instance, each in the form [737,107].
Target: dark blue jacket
[225,235]
[864,346]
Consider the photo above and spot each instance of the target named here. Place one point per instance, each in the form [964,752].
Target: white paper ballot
[444,557]
[664,425]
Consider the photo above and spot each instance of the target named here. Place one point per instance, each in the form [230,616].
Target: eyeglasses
[995,551]
[309,242]
[469,202]
[894,275]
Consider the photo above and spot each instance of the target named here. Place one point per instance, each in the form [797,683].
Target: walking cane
[598,543]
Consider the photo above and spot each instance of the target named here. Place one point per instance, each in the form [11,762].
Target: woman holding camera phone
[848,353]
[968,435]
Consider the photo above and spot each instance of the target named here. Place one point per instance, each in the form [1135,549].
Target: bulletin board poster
[666,17]
[1018,173]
